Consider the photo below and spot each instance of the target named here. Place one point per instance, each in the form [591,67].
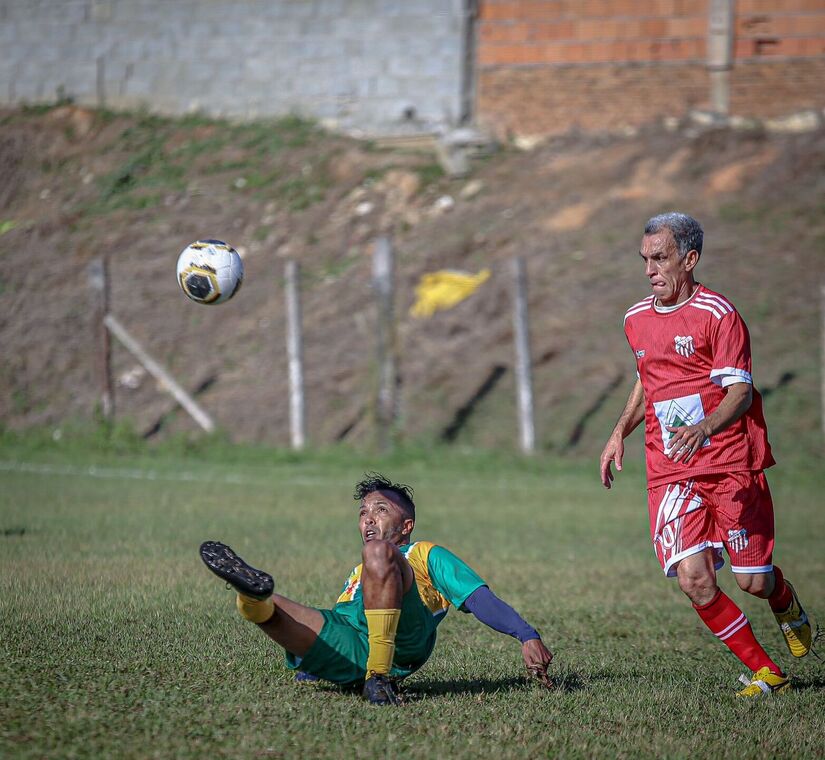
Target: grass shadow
[807,683]
[562,682]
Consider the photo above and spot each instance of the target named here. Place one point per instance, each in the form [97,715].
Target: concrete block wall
[358,65]
[548,66]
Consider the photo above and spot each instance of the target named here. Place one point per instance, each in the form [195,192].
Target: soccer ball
[210,271]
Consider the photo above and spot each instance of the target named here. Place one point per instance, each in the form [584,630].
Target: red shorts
[734,511]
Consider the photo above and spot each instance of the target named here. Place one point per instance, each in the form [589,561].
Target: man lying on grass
[383,626]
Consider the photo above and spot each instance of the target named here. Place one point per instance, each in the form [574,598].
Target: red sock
[729,624]
[780,598]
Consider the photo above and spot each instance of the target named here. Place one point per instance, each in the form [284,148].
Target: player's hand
[537,658]
[685,442]
[613,452]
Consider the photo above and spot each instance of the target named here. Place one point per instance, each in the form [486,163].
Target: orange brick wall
[546,66]
[536,32]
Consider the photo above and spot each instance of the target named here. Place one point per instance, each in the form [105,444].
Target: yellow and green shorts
[339,654]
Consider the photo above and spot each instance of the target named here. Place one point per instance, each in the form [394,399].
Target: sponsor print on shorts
[678,501]
[679,412]
[737,540]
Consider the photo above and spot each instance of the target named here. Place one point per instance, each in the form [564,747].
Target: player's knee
[758,584]
[378,555]
[698,586]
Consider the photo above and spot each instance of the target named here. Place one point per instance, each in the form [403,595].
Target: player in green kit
[383,626]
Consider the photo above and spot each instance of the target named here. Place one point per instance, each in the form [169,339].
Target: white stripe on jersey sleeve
[717,301]
[638,307]
[631,313]
[714,304]
[705,307]
[729,376]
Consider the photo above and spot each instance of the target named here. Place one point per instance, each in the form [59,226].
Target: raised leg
[385,577]
[292,625]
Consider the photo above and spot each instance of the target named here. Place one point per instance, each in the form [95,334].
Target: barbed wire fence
[386,419]
[386,403]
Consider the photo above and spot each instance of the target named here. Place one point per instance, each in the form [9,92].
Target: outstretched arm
[501,617]
[633,414]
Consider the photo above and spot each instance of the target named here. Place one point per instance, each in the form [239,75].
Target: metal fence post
[98,273]
[524,380]
[295,355]
[383,275]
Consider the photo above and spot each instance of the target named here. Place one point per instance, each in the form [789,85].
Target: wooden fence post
[295,355]
[383,275]
[524,380]
[159,373]
[98,273]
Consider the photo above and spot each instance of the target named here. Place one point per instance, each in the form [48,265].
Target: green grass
[155,167]
[429,173]
[115,641]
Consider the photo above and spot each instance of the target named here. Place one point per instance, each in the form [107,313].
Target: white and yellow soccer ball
[210,271]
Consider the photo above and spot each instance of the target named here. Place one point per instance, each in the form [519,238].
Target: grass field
[115,641]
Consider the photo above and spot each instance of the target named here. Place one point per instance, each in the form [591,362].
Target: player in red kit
[706,448]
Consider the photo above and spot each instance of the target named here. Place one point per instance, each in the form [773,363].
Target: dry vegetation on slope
[78,184]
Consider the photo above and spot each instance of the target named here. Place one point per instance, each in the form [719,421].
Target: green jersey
[441,577]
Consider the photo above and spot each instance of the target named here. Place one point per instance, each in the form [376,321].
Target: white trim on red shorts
[670,571]
[761,569]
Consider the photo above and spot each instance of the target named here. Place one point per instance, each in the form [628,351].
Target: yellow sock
[255,610]
[381,627]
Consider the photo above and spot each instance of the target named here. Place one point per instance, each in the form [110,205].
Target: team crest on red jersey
[684,345]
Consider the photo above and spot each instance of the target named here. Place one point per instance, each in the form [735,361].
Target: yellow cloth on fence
[445,289]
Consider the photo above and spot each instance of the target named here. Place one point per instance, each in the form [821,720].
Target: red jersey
[685,357]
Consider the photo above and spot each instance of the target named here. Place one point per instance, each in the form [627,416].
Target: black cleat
[380,690]
[222,561]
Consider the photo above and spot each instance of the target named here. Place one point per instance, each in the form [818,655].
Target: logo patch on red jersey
[684,345]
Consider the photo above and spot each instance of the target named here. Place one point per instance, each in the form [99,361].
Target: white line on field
[95,471]
[503,484]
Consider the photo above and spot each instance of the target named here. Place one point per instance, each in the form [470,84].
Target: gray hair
[687,232]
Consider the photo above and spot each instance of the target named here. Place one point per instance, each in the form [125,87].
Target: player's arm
[687,440]
[467,591]
[633,414]
[501,617]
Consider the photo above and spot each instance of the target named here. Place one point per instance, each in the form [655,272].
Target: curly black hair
[375,481]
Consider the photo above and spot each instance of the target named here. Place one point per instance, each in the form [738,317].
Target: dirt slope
[77,184]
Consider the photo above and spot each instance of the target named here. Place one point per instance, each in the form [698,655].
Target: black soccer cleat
[222,561]
[380,690]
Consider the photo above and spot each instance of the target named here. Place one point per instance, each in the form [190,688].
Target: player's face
[382,519]
[671,278]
